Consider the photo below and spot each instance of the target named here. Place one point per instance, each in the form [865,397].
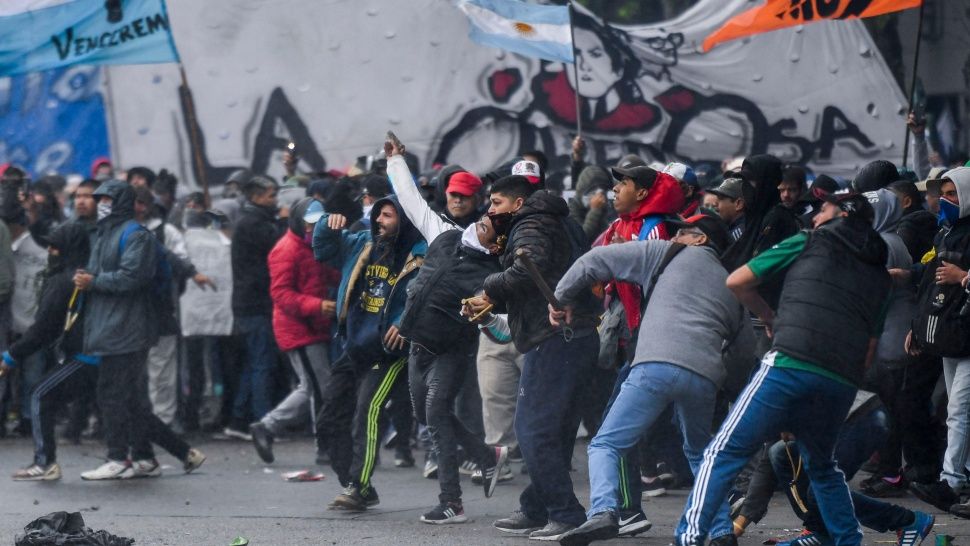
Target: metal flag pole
[572,38]
[912,85]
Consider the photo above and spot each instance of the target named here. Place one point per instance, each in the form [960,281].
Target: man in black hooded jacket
[558,359]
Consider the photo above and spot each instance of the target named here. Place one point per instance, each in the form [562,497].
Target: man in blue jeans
[678,357]
[830,314]
[255,236]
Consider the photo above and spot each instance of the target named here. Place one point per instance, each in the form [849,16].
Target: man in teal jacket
[376,267]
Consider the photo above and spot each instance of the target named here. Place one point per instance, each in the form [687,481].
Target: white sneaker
[37,473]
[111,470]
[193,460]
[145,468]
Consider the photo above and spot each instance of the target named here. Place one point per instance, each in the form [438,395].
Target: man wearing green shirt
[829,316]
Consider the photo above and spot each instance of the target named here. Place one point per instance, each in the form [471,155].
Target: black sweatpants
[352,403]
[435,382]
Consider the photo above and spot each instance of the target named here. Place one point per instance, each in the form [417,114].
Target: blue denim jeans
[255,381]
[811,406]
[956,374]
[546,419]
[647,391]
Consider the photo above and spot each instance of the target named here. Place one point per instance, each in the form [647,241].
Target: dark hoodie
[539,229]
[119,307]
[875,175]
[72,242]
[375,274]
[255,234]
[767,221]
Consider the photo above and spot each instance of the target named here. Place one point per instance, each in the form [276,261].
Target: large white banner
[334,75]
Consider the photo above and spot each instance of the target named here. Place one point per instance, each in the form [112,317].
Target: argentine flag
[527,29]
[44,34]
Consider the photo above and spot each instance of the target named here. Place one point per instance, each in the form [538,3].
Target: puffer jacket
[120,311]
[664,200]
[539,229]
[298,286]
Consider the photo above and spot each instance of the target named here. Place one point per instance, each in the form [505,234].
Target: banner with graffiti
[334,76]
[53,121]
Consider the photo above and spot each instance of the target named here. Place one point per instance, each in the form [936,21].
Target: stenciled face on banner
[632,102]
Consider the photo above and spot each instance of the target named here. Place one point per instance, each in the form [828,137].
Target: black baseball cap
[731,188]
[850,202]
[712,226]
[642,175]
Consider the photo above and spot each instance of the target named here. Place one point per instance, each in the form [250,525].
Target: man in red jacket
[302,290]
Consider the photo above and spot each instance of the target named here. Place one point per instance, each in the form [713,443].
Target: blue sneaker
[914,533]
[807,538]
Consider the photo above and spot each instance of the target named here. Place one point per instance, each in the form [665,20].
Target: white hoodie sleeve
[428,222]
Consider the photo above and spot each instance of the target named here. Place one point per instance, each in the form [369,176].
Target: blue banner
[53,121]
[86,32]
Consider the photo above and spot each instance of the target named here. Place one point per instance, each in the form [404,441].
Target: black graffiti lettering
[826,8]
[125,34]
[808,12]
[279,111]
[156,22]
[836,126]
[855,8]
[64,48]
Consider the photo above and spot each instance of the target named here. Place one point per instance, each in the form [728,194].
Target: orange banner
[777,14]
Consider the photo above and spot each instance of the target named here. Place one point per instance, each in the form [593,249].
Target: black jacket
[540,229]
[255,235]
[72,240]
[451,272]
[917,228]
[833,297]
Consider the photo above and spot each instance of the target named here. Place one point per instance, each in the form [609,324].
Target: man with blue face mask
[942,328]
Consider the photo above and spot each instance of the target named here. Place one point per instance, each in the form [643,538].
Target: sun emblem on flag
[524,28]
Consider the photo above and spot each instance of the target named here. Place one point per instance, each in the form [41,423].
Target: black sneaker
[666,475]
[939,494]
[632,523]
[724,540]
[961,510]
[515,455]
[491,474]
[446,512]
[553,531]
[653,488]
[518,524]
[879,487]
[602,526]
[403,457]
[262,441]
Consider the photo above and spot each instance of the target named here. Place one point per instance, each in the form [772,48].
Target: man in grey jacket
[120,328]
[678,359]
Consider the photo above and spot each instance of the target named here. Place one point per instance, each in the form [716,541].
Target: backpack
[162,278]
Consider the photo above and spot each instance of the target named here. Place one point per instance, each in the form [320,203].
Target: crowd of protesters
[734,329]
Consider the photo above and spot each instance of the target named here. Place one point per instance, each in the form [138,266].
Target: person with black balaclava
[767,223]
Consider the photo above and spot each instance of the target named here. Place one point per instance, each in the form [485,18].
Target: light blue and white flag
[528,29]
[44,34]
